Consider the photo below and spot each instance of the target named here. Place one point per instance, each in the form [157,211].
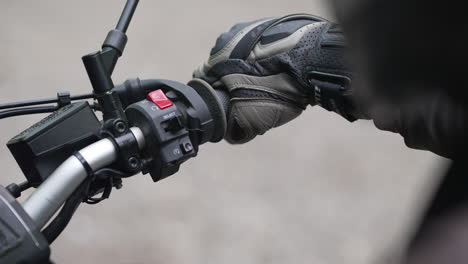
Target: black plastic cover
[40,149]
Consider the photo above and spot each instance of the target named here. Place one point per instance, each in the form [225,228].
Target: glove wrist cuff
[332,92]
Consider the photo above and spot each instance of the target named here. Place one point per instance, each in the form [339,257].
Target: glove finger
[230,66]
[223,40]
[224,46]
[259,103]
[282,38]
[249,118]
[247,44]
[280,86]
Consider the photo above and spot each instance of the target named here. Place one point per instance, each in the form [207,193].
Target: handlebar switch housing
[174,125]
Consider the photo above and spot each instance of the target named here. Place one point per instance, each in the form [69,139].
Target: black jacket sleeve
[412,56]
[432,121]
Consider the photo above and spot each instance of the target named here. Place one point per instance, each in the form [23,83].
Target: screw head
[133,162]
[120,126]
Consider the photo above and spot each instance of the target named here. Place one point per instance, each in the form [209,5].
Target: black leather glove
[273,68]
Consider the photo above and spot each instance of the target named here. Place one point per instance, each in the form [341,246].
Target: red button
[159,98]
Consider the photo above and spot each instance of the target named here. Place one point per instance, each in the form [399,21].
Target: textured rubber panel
[215,105]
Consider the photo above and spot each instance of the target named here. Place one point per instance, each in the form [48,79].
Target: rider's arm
[432,121]
[273,68]
[415,70]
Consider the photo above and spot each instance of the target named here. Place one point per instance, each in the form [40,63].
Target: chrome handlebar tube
[50,195]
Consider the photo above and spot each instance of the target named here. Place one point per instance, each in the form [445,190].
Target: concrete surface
[319,190]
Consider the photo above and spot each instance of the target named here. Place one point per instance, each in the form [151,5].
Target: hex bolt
[133,162]
[120,126]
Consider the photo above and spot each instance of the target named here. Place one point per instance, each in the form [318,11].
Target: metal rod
[51,194]
[127,15]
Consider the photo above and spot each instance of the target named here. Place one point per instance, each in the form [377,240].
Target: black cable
[27,111]
[56,227]
[113,172]
[81,194]
[28,103]
[105,195]
[43,101]
[110,178]
[82,96]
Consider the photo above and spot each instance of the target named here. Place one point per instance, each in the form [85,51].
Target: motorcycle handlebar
[53,192]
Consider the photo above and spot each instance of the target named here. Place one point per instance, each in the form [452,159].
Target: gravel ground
[319,190]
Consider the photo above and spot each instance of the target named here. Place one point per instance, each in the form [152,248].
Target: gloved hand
[273,68]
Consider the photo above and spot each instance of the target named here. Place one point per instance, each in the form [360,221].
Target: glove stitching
[236,117]
[277,118]
[264,100]
[261,125]
[264,125]
[291,97]
[330,70]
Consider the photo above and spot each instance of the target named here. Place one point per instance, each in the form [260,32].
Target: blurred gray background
[319,190]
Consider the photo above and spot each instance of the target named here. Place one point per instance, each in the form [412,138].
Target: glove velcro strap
[247,43]
[332,92]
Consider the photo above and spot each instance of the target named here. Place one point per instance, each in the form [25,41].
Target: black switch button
[186,147]
[172,125]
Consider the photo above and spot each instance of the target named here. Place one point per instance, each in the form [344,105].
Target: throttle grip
[217,102]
